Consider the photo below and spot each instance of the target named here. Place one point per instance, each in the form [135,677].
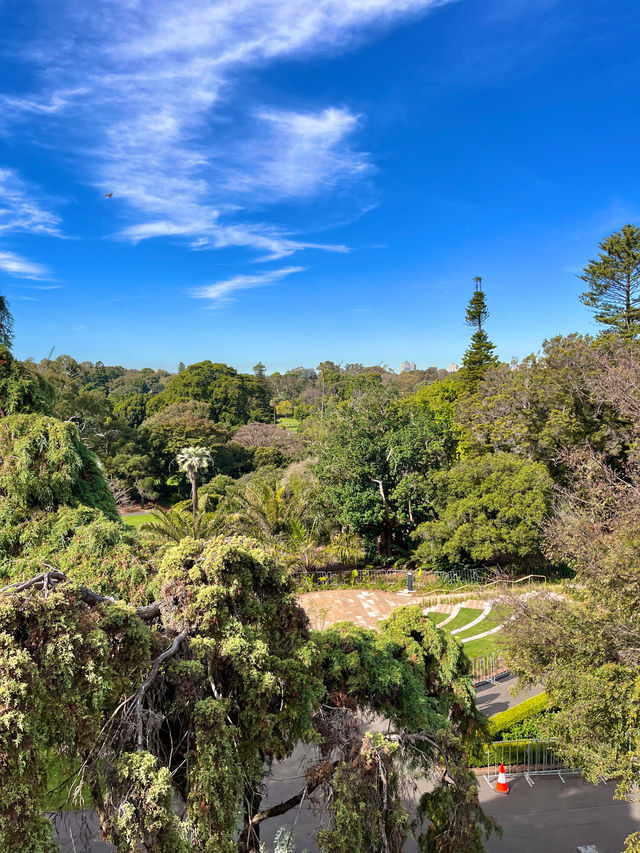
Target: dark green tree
[477,311]
[490,509]
[43,463]
[6,323]
[132,410]
[614,283]
[480,355]
[21,390]
[232,397]
[375,461]
[478,358]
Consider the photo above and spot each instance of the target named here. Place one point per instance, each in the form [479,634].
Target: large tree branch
[50,579]
[153,674]
[313,781]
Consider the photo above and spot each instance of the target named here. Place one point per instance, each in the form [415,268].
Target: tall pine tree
[480,353]
[614,283]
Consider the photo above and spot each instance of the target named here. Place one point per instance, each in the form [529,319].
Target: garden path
[366,607]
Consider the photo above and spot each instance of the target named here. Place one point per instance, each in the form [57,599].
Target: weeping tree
[171,713]
[44,463]
[192,460]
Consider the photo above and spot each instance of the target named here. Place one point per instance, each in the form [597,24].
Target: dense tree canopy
[490,509]
[375,463]
[20,389]
[231,397]
[43,463]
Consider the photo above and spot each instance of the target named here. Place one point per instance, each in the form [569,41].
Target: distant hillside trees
[232,397]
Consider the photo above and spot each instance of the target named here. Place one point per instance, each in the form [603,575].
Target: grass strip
[136,520]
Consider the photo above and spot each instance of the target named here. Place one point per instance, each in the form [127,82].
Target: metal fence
[488,668]
[322,579]
[421,578]
[526,758]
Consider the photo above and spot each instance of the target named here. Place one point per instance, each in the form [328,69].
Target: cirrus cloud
[220,291]
[141,91]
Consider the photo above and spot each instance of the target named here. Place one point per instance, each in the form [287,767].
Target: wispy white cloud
[56,102]
[220,291]
[297,155]
[20,210]
[16,265]
[160,81]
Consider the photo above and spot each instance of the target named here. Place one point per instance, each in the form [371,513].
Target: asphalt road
[493,698]
[554,818]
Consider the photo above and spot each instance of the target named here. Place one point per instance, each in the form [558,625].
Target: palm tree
[175,524]
[192,460]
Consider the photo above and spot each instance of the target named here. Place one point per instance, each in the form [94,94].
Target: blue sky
[299,181]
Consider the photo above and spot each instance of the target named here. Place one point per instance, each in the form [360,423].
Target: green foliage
[359,814]
[477,311]
[542,406]
[376,461]
[81,542]
[517,714]
[43,463]
[613,283]
[231,397]
[132,410]
[477,360]
[21,390]
[144,793]
[489,509]
[178,523]
[182,424]
[59,672]
[6,324]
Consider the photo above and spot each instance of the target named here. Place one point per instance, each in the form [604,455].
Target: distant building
[453,368]
[406,366]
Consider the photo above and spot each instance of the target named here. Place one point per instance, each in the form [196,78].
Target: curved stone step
[479,618]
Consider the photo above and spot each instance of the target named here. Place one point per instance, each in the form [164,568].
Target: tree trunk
[194,497]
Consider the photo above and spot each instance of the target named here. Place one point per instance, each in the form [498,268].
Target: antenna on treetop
[51,351]
[478,282]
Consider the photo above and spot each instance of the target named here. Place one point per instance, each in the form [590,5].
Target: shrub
[520,712]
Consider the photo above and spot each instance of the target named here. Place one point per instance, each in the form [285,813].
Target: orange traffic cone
[501,784]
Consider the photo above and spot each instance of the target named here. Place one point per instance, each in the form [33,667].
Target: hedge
[528,708]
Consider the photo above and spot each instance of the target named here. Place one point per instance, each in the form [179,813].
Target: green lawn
[59,786]
[437,617]
[465,615]
[136,520]
[289,423]
[485,645]
[494,619]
